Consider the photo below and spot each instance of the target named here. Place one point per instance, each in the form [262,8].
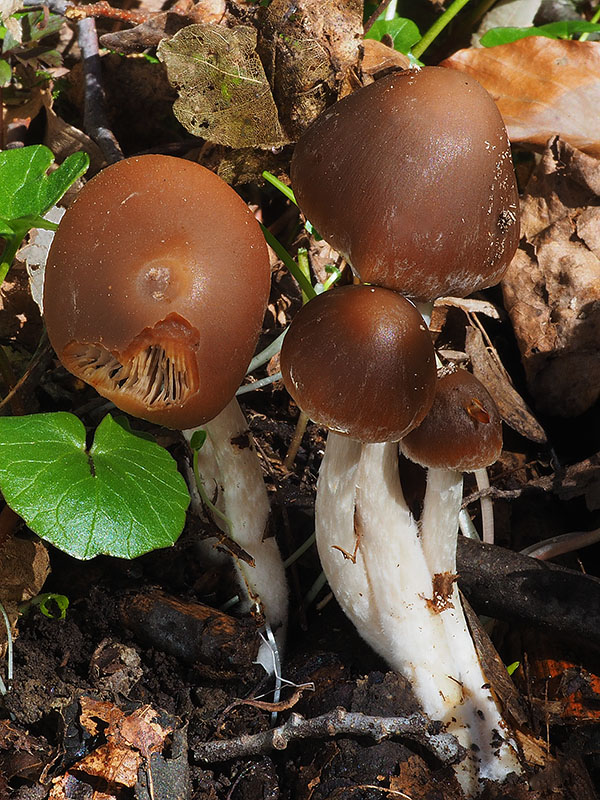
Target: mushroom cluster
[155,290]
[411,180]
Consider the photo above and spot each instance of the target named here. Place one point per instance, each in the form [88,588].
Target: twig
[106,11]
[95,120]
[376,14]
[416,727]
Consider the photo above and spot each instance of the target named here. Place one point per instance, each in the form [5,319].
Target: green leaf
[123,497]
[403,32]
[51,605]
[198,439]
[5,73]
[26,191]
[564,29]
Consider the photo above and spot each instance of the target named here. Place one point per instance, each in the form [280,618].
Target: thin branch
[95,121]
[416,727]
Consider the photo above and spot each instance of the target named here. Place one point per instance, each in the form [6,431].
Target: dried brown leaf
[542,87]
[24,567]
[513,409]
[131,740]
[552,287]
[224,95]
[378,59]
[308,48]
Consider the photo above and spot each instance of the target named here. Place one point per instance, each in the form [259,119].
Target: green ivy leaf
[123,497]
[403,32]
[564,29]
[26,191]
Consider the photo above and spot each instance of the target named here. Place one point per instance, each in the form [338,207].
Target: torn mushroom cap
[463,429]
[411,180]
[155,289]
[359,360]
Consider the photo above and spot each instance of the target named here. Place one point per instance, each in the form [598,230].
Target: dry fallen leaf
[552,286]
[542,87]
[513,409]
[308,47]
[24,567]
[378,59]
[131,741]
[224,95]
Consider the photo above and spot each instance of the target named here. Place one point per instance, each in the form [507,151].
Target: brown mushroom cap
[155,289]
[359,360]
[411,180]
[463,429]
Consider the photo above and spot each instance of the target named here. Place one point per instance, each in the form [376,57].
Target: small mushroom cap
[463,429]
[411,180]
[359,360]
[155,289]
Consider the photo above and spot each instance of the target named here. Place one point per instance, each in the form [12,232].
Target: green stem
[285,190]
[289,262]
[8,255]
[206,500]
[595,18]
[437,27]
[304,267]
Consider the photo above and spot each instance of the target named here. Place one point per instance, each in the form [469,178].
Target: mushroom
[359,360]
[155,290]
[411,180]
[462,432]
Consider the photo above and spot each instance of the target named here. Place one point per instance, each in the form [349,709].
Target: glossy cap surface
[155,289]
[411,180]
[359,360]
[463,429]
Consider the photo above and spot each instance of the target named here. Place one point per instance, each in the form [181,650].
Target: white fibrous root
[231,476]
[395,579]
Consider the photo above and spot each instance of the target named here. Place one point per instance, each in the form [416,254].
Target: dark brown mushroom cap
[411,180]
[359,360]
[463,429]
[155,289]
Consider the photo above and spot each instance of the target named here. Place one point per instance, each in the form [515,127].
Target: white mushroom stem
[377,567]
[496,756]
[230,470]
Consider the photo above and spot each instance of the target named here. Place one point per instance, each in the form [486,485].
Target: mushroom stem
[370,550]
[478,715]
[389,581]
[229,467]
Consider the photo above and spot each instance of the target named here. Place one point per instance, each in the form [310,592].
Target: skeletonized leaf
[224,95]
[542,87]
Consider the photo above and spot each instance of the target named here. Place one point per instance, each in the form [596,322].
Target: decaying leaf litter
[112,700]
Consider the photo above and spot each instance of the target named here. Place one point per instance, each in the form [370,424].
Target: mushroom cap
[359,360]
[155,289]
[463,429]
[411,180]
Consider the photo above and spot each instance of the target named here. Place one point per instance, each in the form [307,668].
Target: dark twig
[95,120]
[516,587]
[376,14]
[416,727]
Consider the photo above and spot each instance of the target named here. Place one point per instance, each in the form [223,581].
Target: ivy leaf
[403,32]
[563,29]
[123,497]
[27,191]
